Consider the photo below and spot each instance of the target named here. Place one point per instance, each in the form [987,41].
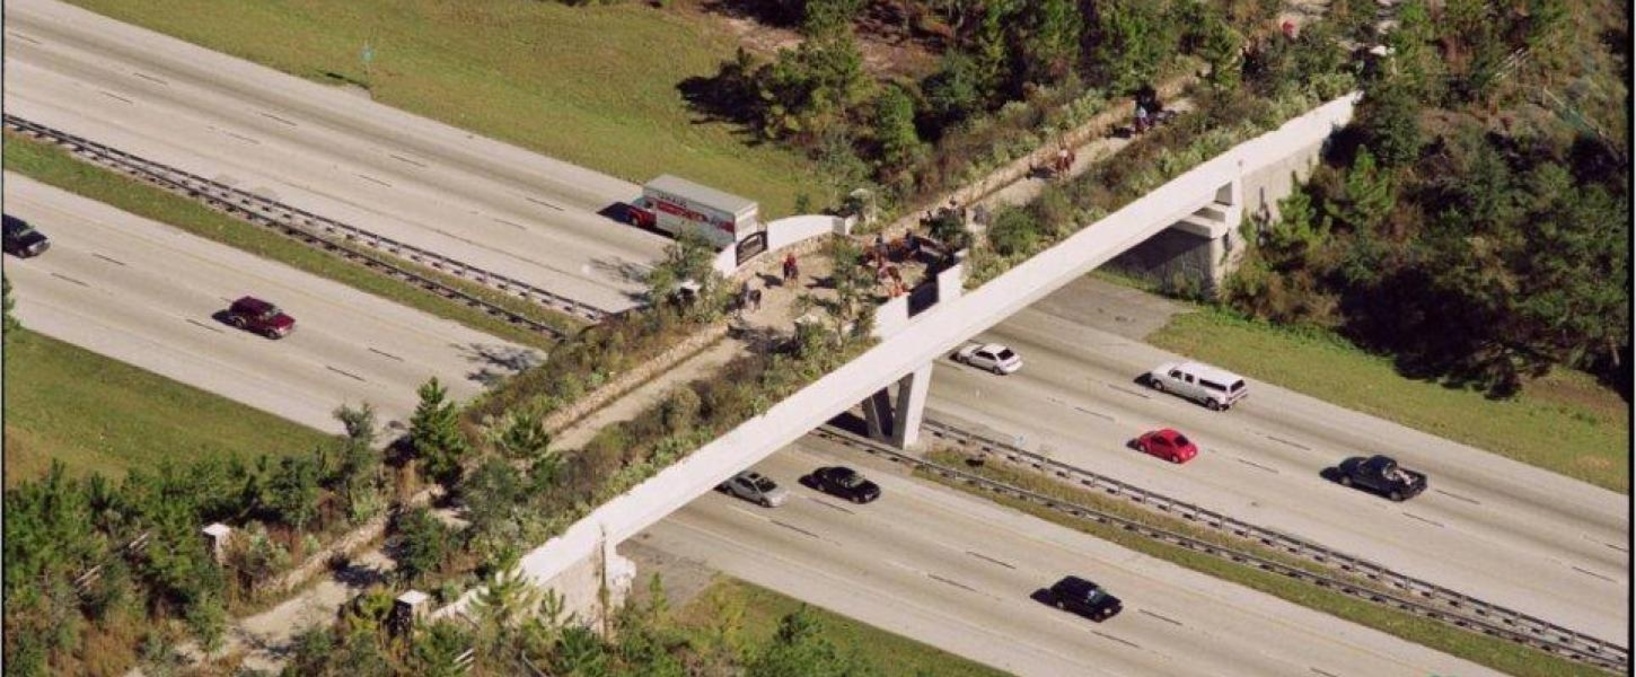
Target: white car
[1215,388]
[755,488]
[991,357]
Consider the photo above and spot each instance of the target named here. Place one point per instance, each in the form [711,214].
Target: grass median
[98,414]
[756,611]
[51,165]
[597,85]
[1492,652]
[1565,423]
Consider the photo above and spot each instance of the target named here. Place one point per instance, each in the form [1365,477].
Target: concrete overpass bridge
[1205,204]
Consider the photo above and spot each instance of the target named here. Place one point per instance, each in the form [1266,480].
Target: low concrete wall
[891,317]
[787,231]
[784,233]
[934,333]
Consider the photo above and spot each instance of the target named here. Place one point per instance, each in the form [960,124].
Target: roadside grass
[51,165]
[1499,654]
[594,85]
[1565,423]
[98,414]
[757,611]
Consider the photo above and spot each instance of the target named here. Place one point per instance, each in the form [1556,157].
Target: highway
[146,294]
[957,572]
[326,150]
[1493,528]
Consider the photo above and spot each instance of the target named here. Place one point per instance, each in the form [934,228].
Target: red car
[255,315]
[1167,444]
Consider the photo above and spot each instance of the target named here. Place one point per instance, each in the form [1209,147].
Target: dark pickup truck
[1382,475]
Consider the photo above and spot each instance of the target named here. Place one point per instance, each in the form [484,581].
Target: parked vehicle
[1079,596]
[675,205]
[22,240]
[843,482]
[755,488]
[1215,388]
[1382,475]
[990,357]
[1168,444]
[255,315]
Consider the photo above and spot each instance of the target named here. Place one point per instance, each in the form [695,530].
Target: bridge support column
[877,413]
[911,406]
[897,419]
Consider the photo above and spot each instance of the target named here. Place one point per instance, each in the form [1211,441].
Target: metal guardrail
[317,231]
[1418,597]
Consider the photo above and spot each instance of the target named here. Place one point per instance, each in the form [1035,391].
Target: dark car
[253,314]
[1382,475]
[22,240]
[843,482]
[1085,598]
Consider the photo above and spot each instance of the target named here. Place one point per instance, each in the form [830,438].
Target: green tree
[810,88]
[1050,35]
[1413,59]
[422,541]
[947,227]
[1298,230]
[520,435]
[853,282]
[799,649]
[493,497]
[895,129]
[1223,48]
[991,49]
[359,479]
[358,422]
[1127,41]
[436,648]
[1367,196]
[292,492]
[10,323]
[825,18]
[955,92]
[434,434]
[1390,120]
[1014,231]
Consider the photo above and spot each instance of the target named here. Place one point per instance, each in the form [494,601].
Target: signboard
[751,245]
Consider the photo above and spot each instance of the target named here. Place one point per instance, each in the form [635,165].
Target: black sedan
[843,482]
[1082,597]
[22,240]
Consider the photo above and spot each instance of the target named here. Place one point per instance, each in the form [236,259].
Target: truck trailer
[675,205]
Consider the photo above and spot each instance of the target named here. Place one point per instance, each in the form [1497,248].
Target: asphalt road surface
[1499,530]
[958,572]
[326,150]
[147,294]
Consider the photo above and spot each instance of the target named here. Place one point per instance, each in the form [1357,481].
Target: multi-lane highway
[957,572]
[1499,530]
[147,294]
[325,150]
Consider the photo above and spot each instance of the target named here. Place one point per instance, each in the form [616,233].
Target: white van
[1215,388]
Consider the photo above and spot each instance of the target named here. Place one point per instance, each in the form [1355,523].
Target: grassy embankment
[98,414]
[758,609]
[52,165]
[1496,653]
[597,85]
[1565,423]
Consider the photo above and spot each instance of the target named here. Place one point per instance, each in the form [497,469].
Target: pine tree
[434,433]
